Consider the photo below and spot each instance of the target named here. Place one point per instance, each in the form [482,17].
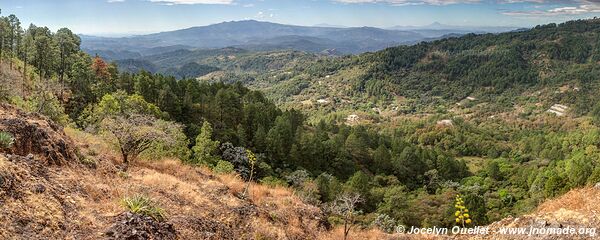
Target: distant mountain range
[264,36]
[454,29]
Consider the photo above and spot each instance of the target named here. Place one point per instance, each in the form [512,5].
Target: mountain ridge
[348,40]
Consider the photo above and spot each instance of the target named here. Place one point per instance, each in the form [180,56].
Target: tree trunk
[61,75]
[249,181]
[10,48]
[40,69]
[125,161]
[346,229]
[1,50]
[24,87]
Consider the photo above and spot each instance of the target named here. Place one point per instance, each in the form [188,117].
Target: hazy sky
[144,16]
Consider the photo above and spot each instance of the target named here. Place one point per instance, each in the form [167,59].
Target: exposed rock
[39,188]
[323,101]
[136,226]
[245,210]
[558,109]
[352,119]
[36,135]
[445,122]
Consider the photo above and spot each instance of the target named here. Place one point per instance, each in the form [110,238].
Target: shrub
[123,175]
[273,182]
[238,156]
[145,206]
[385,223]
[223,167]
[44,103]
[89,162]
[6,140]
[135,134]
[92,152]
[117,104]
[298,178]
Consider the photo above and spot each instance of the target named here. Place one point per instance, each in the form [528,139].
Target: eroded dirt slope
[37,135]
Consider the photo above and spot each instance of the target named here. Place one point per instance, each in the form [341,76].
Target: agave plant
[6,140]
[143,205]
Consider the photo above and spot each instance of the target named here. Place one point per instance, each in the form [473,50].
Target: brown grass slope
[71,189]
[577,209]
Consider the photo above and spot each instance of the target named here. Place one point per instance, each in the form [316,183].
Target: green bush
[223,167]
[385,223]
[123,175]
[273,182]
[89,162]
[145,206]
[44,103]
[6,140]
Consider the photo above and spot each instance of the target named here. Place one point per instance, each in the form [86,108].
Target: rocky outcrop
[139,227]
[37,135]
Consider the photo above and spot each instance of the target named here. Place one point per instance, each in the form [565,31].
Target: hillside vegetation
[48,192]
[507,68]
[381,139]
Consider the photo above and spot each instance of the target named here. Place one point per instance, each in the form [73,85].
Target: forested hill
[489,67]
[543,55]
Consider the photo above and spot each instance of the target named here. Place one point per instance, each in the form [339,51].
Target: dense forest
[407,172]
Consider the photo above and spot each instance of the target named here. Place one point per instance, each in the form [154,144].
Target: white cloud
[177,2]
[523,1]
[115,1]
[579,7]
[263,15]
[410,2]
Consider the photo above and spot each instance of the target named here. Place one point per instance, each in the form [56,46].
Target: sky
[125,17]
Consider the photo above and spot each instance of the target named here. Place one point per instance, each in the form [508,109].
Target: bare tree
[345,207]
[136,133]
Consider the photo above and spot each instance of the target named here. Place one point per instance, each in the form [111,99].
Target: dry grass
[579,205]
[195,200]
[578,200]
[366,234]
[577,208]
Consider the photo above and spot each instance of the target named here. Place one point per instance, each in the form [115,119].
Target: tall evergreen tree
[68,45]
[205,147]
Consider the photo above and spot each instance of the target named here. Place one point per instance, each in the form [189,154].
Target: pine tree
[68,45]
[205,147]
